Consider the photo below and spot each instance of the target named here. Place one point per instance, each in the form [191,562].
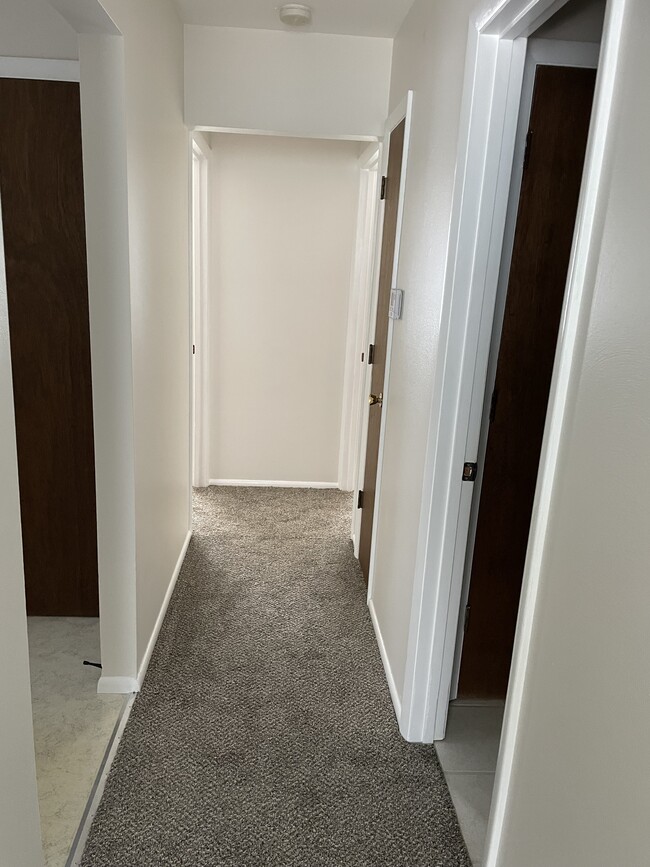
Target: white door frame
[199,331]
[548,52]
[493,84]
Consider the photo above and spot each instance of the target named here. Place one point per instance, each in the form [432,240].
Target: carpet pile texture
[264,733]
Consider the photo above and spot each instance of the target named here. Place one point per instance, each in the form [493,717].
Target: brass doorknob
[375,398]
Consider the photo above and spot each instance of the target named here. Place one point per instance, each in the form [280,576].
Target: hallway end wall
[283,219]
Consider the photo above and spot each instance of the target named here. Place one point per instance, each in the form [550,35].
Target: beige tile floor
[468,756]
[72,724]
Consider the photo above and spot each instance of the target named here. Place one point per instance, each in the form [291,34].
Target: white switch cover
[396,298]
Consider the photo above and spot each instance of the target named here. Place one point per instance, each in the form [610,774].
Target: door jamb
[199,332]
[352,416]
[493,81]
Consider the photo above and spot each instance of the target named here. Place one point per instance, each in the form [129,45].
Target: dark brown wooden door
[41,189]
[559,126]
[393,177]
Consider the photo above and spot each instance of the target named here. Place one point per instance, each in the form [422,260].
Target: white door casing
[549,52]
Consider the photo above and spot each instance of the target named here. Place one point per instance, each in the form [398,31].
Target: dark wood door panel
[393,177]
[41,185]
[559,126]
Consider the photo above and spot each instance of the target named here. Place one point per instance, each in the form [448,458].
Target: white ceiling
[352,17]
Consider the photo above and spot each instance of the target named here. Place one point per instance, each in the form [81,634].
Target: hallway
[264,732]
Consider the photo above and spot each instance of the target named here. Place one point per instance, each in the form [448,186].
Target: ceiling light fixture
[295,14]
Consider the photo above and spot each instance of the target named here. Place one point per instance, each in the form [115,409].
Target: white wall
[283,219]
[158,194]
[304,84]
[103,119]
[136,165]
[32,28]
[580,785]
[20,832]
[429,58]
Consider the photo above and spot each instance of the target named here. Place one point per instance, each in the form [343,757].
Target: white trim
[199,316]
[576,312]
[404,111]
[549,52]
[201,142]
[119,685]
[39,69]
[267,483]
[394,692]
[489,113]
[368,337]
[370,157]
[144,665]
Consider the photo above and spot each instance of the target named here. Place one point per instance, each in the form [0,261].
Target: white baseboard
[121,685]
[263,483]
[163,610]
[397,704]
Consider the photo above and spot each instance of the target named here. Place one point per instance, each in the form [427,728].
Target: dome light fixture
[295,14]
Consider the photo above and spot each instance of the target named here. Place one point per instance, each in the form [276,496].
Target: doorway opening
[551,143]
[282,264]
[42,191]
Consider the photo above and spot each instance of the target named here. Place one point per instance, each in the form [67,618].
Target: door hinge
[371,354]
[382,195]
[469,472]
[529,141]
[468,608]
[360,500]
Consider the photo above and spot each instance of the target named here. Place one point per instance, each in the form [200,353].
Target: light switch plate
[396,299]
